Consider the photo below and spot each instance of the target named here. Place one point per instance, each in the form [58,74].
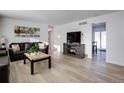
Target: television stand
[72,49]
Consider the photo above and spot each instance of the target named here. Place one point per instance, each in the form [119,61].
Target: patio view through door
[100,38]
[99,41]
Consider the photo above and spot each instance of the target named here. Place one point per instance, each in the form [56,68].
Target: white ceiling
[53,17]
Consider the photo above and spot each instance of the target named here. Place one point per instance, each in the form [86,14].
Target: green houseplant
[34,48]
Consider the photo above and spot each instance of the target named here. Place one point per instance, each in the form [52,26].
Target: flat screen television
[74,37]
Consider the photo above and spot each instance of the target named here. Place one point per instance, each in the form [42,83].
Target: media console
[73,49]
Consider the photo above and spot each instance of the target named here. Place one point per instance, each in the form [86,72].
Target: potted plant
[34,49]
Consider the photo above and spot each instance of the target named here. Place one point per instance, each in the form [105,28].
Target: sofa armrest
[47,49]
[10,50]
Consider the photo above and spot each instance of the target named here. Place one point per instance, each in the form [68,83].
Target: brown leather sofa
[19,55]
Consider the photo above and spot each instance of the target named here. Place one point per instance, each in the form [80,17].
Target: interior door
[49,41]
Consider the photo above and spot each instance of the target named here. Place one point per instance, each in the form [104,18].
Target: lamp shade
[2,40]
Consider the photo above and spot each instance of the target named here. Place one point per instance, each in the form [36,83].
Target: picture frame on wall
[23,31]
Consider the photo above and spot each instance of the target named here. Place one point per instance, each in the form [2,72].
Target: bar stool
[94,47]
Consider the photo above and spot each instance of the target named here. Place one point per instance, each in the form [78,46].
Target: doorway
[99,41]
[50,39]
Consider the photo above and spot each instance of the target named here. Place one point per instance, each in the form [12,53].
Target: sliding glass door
[100,38]
[97,39]
[103,40]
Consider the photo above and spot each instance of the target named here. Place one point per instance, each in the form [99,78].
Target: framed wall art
[23,31]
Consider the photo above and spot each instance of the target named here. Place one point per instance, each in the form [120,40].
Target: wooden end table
[3,51]
[36,58]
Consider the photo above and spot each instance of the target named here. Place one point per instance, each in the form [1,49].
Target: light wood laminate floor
[66,69]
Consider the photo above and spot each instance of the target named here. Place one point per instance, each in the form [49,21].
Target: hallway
[100,56]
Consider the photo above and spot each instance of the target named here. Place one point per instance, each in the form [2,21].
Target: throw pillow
[15,47]
[41,46]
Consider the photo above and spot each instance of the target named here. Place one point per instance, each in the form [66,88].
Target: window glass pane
[103,40]
[97,39]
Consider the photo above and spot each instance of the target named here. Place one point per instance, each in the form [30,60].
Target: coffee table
[37,57]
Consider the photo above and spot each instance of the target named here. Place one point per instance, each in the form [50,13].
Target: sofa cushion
[19,52]
[22,46]
[27,46]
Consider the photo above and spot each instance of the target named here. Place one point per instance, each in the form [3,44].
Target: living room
[113,21]
[60,63]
